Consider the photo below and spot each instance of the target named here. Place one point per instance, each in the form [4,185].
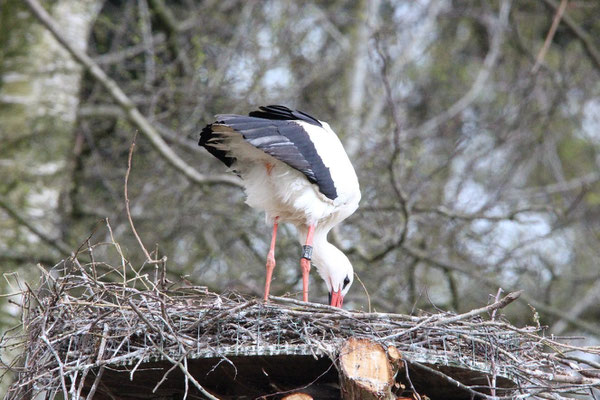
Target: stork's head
[336,270]
[340,283]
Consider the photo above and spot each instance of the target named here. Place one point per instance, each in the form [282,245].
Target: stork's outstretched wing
[281,133]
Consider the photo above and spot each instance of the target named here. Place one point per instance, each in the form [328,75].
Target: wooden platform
[289,369]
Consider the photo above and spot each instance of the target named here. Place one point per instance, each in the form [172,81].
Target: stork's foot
[305,265]
[270,268]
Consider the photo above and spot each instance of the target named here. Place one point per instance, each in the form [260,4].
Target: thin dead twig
[186,373]
[139,240]
[587,39]
[506,300]
[557,17]
[94,387]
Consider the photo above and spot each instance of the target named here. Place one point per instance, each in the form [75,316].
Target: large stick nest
[89,316]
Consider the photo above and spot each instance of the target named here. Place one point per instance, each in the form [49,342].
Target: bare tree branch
[473,272]
[128,106]
[497,35]
[586,38]
[589,299]
[130,52]
[149,53]
[63,248]
[550,36]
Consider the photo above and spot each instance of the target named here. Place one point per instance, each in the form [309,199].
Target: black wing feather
[272,130]
[208,134]
[282,113]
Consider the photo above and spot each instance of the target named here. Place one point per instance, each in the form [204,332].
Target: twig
[475,394]
[60,364]
[92,391]
[366,291]
[496,299]
[126,53]
[586,38]
[416,395]
[139,240]
[186,372]
[143,317]
[166,374]
[229,311]
[549,36]
[506,300]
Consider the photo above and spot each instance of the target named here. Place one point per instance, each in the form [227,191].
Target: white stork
[294,168]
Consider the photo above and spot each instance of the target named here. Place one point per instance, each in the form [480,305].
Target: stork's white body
[286,194]
[279,190]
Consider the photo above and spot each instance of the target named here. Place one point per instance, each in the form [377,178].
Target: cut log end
[394,355]
[365,371]
[297,396]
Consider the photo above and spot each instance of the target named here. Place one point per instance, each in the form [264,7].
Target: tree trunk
[39,96]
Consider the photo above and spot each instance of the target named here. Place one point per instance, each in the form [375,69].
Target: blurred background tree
[478,152]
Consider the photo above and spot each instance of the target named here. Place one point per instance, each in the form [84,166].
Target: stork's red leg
[271,260]
[305,261]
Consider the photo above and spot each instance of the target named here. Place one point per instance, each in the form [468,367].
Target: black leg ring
[307,252]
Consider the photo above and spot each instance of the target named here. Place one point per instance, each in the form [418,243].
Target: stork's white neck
[324,256]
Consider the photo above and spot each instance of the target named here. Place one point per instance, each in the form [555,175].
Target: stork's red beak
[336,299]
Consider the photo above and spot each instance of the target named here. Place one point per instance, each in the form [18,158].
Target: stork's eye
[346,281]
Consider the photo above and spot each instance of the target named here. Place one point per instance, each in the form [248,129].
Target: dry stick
[475,394]
[492,381]
[436,319]
[119,250]
[301,387]
[334,312]
[187,384]
[134,115]
[587,39]
[366,291]
[12,294]
[416,395]
[506,300]
[185,371]
[90,395]
[493,317]
[229,311]
[309,304]
[148,258]
[61,366]
[143,317]
[166,374]
[550,36]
